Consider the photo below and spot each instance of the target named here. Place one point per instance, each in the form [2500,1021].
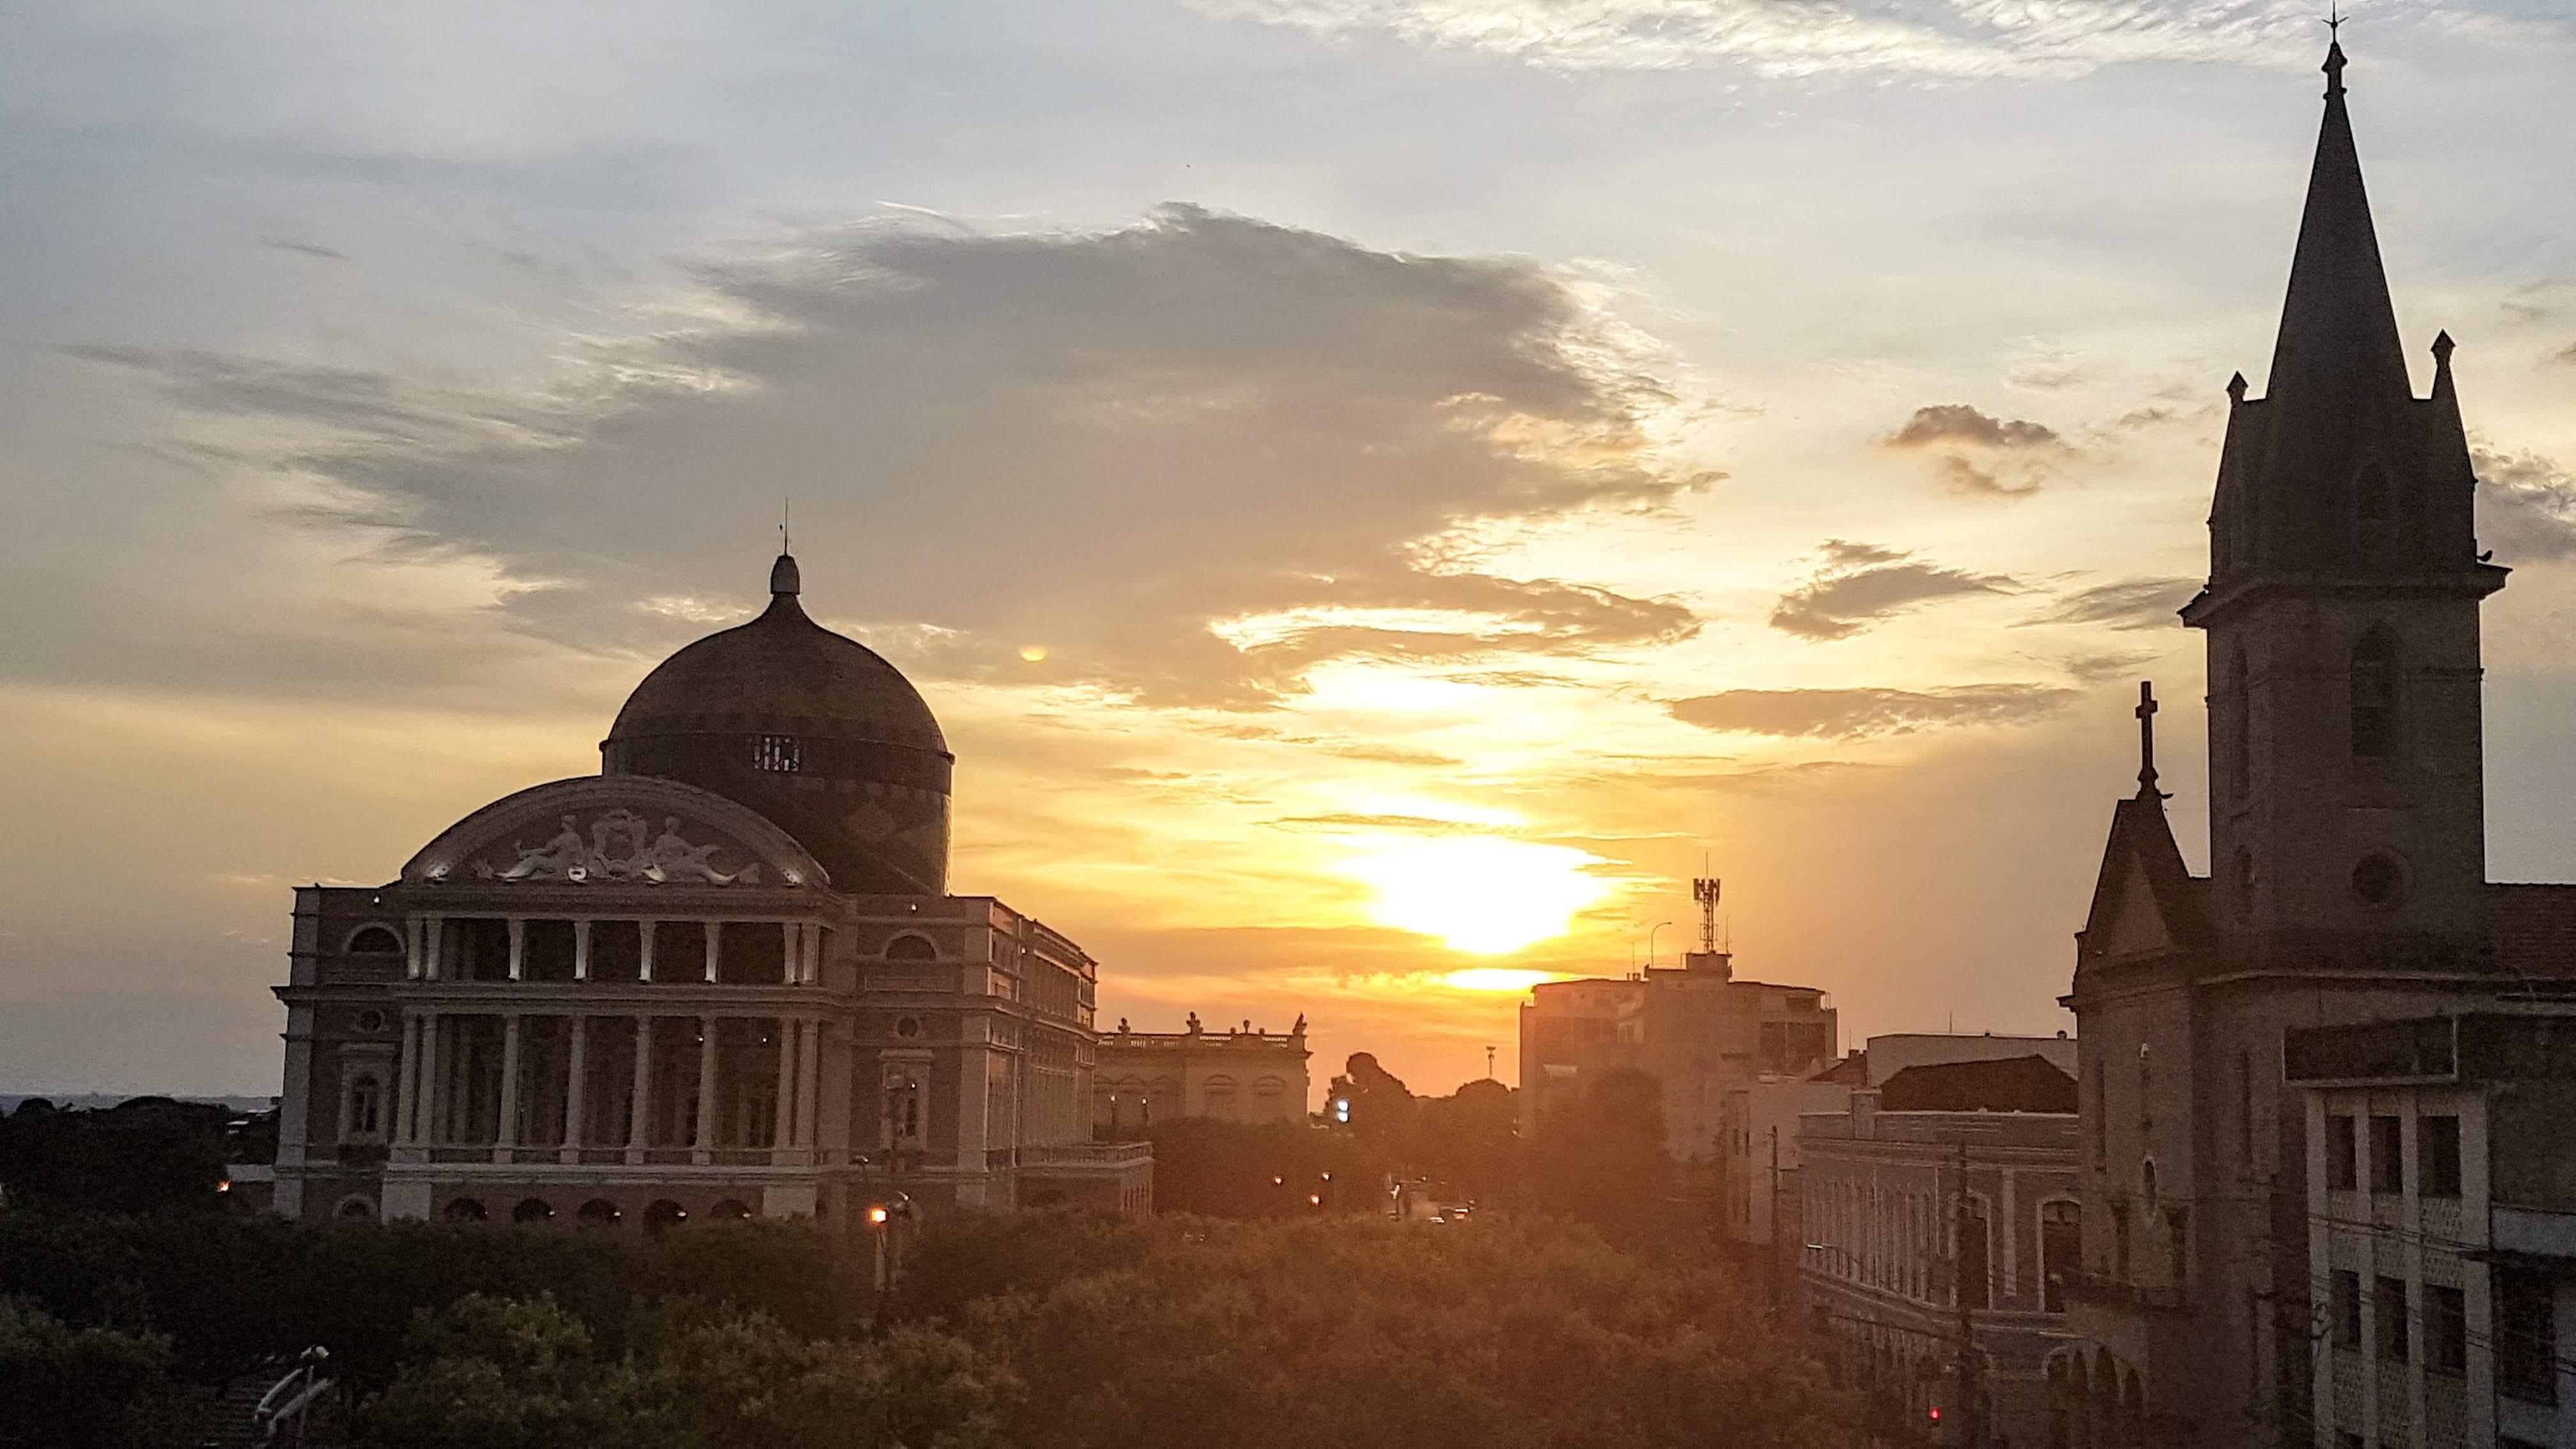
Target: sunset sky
[1374,489]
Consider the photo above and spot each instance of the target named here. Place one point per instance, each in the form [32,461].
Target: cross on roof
[2146,713]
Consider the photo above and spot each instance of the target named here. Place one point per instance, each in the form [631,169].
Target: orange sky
[1370,493]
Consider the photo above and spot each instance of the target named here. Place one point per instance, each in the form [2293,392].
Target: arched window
[2374,696]
[909,947]
[731,1210]
[2061,1251]
[465,1210]
[533,1210]
[1216,1098]
[1269,1099]
[599,1212]
[356,1209]
[375,941]
[662,1215]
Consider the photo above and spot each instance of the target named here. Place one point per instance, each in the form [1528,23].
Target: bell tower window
[2374,697]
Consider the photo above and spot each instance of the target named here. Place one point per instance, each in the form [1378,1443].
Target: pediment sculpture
[620,847]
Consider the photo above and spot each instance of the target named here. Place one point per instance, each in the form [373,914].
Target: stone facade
[2346,809]
[1242,1074]
[2442,1214]
[633,998]
[1904,1213]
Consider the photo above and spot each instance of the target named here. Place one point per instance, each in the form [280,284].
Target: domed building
[722,978]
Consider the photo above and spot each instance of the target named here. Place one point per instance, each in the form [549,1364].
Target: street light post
[1650,943]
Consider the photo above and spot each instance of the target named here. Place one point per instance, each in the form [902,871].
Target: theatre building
[724,977]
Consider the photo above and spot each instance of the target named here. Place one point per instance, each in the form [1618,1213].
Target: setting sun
[1480,894]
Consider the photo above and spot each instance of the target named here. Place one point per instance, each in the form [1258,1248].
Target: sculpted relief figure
[617,850]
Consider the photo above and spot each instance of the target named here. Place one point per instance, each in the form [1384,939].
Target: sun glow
[1483,895]
[1497,978]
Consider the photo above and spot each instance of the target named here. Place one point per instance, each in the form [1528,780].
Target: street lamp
[1650,943]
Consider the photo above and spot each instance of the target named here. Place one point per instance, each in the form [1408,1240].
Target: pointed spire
[2338,343]
[783,580]
[2236,388]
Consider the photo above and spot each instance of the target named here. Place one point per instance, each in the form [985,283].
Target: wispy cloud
[2526,505]
[2016,451]
[1862,585]
[1851,714]
[1947,39]
[2121,604]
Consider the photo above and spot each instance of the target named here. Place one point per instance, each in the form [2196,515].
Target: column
[706,1139]
[429,1123]
[576,1085]
[581,950]
[715,932]
[2010,1212]
[518,947]
[505,1131]
[407,1077]
[791,954]
[809,942]
[790,1042]
[639,1115]
[644,950]
[431,969]
[809,1069]
[415,955]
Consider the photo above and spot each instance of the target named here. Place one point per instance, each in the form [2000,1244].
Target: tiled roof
[2015,1084]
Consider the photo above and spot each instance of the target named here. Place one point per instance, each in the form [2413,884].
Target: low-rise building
[1945,1197]
[1243,1074]
[1698,1031]
[2441,1203]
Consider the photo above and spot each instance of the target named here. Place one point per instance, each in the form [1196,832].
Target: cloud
[1862,585]
[1949,39]
[315,250]
[2526,505]
[1851,714]
[2122,604]
[1114,444]
[2013,449]
[1960,423]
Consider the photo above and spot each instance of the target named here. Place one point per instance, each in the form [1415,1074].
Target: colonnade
[455,1095]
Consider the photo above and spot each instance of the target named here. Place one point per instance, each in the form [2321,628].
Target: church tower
[2347,810]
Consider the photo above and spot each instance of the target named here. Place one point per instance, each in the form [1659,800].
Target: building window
[1976,1256]
[2437,1156]
[777,754]
[2061,1248]
[2388,1314]
[2526,1335]
[2347,1308]
[2343,1151]
[366,1107]
[2374,697]
[909,947]
[2446,1329]
[2387,1155]
[375,941]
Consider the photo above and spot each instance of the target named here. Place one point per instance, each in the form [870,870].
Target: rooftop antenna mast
[1705,891]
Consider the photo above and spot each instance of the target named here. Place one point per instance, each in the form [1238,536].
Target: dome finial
[782,574]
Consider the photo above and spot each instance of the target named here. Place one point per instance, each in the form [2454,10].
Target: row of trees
[1046,1330]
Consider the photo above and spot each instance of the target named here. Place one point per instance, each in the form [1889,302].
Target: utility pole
[1776,1292]
[1972,1428]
